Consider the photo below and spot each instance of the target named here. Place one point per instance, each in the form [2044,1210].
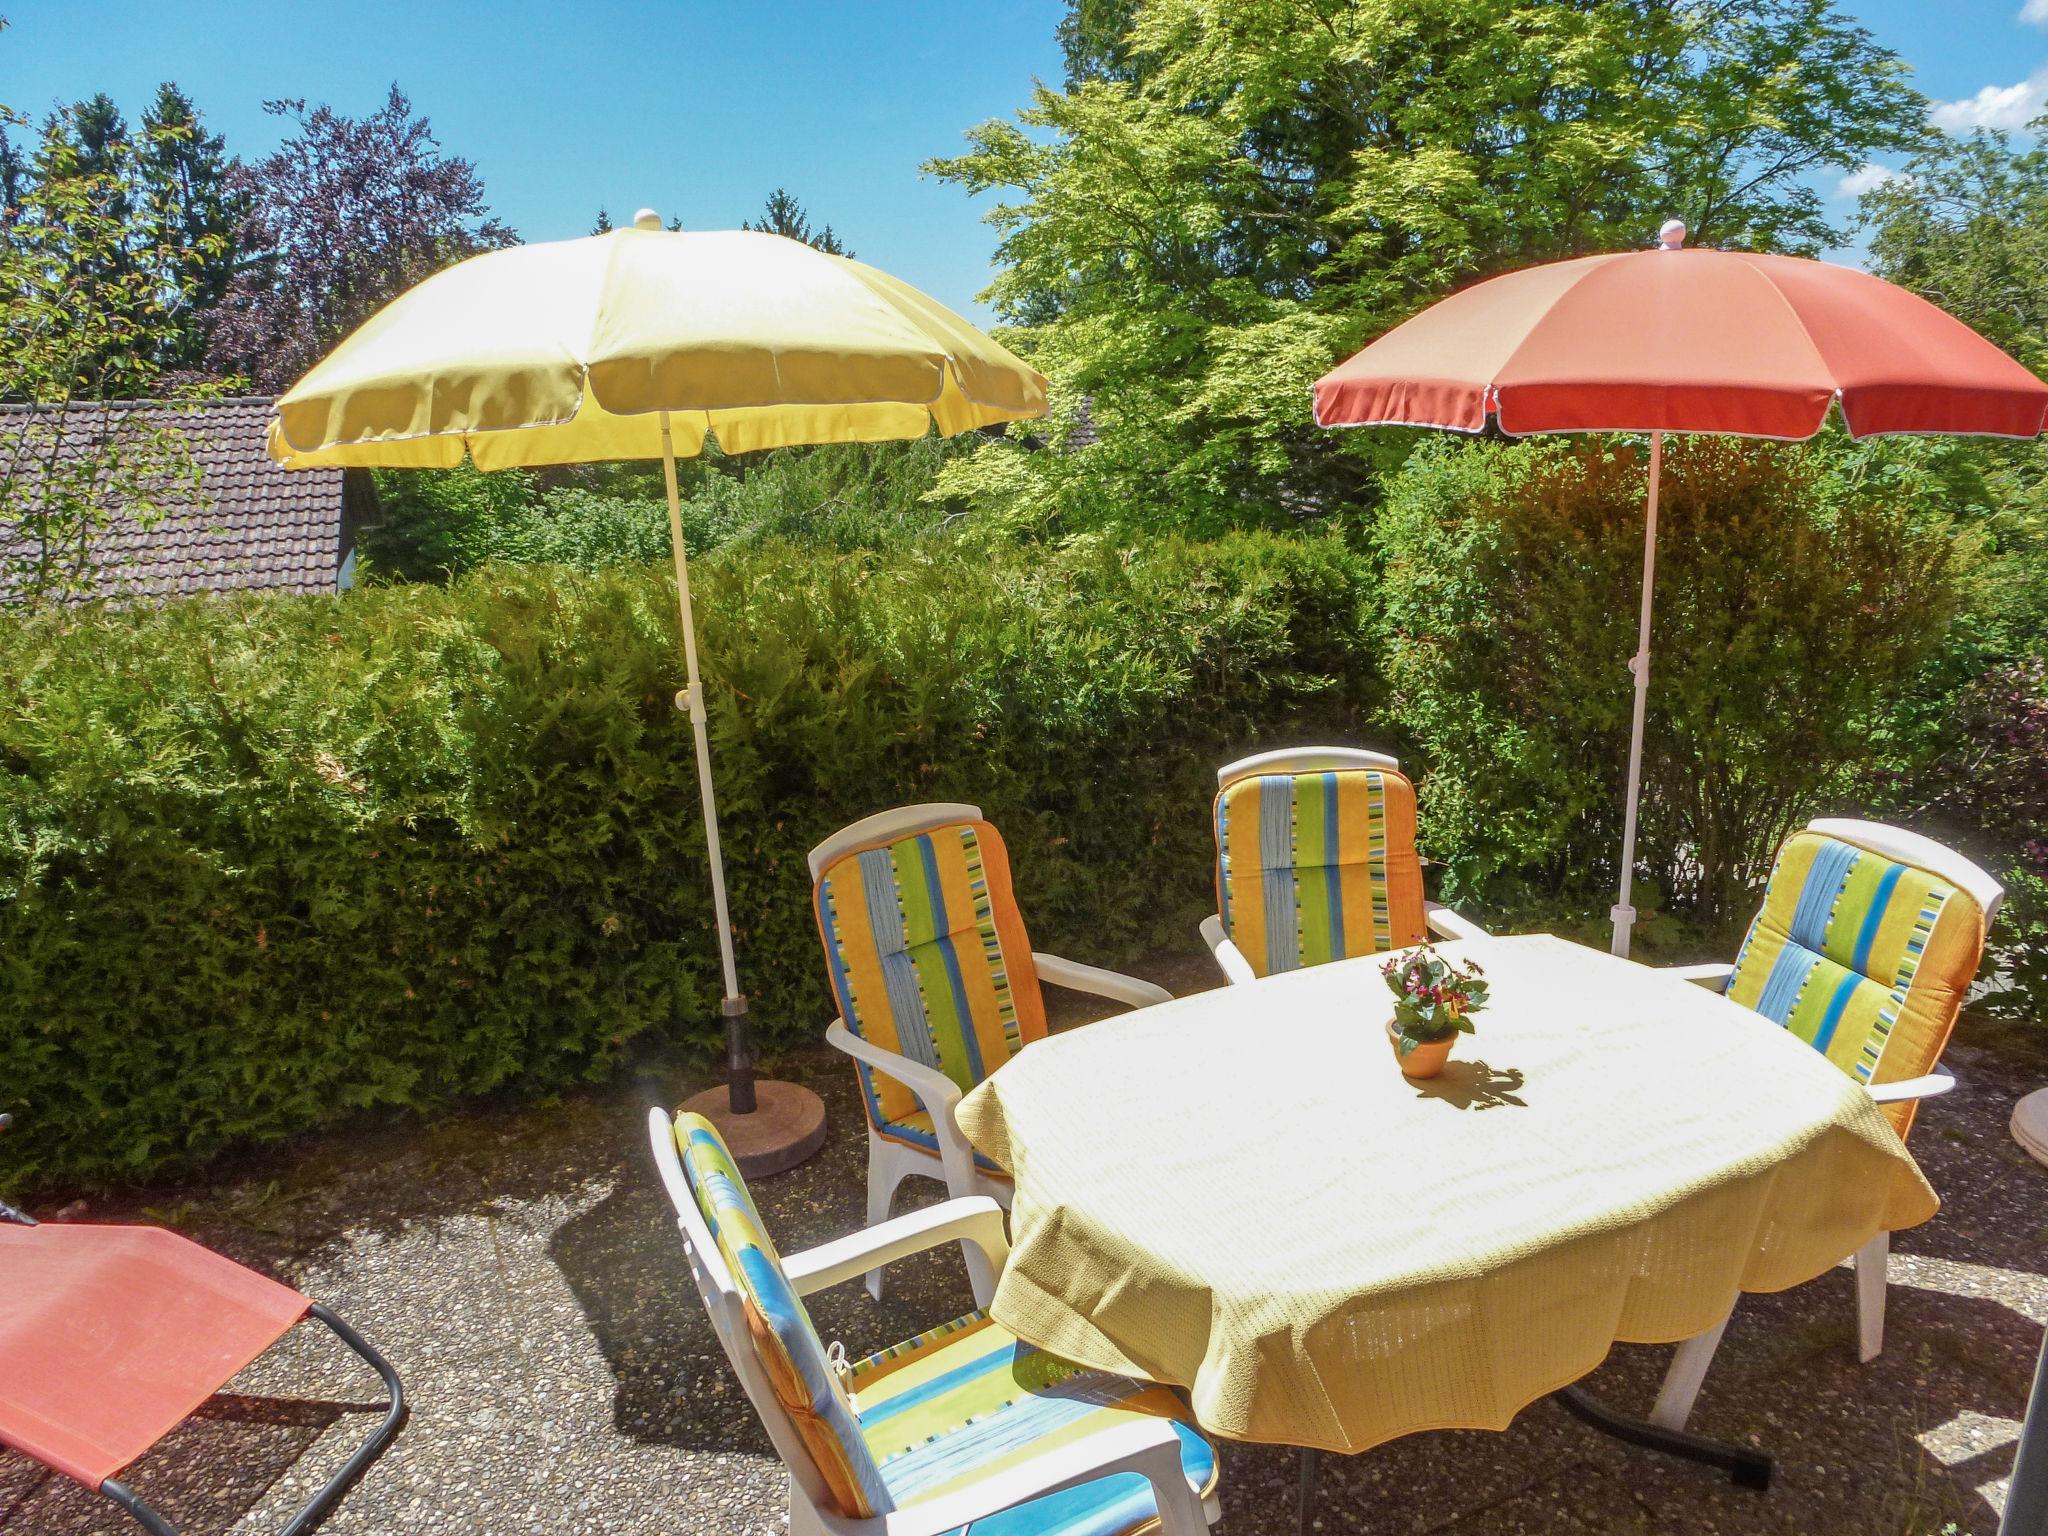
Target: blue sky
[699,110]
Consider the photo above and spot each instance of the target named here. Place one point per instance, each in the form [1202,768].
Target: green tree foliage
[1965,225]
[268,863]
[168,187]
[197,207]
[1230,195]
[784,215]
[88,289]
[1798,592]
[1961,225]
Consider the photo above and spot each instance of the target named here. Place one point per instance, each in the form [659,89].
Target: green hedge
[270,862]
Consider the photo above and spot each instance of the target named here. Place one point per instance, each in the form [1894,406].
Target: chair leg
[1686,1374]
[1870,1279]
[884,1174]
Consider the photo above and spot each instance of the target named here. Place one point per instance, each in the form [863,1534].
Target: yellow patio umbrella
[638,344]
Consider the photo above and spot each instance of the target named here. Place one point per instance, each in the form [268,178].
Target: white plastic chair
[1229,958]
[892,1159]
[1150,1447]
[1681,1388]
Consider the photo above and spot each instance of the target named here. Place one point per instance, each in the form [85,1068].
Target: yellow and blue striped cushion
[1318,866]
[1864,958]
[969,1399]
[784,1337]
[929,958]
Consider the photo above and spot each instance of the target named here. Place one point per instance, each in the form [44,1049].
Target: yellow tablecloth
[1238,1193]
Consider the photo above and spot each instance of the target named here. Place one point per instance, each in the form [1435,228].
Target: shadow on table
[1473,1085]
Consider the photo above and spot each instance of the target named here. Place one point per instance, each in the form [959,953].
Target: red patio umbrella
[1674,340]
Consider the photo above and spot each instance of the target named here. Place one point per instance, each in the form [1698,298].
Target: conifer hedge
[271,862]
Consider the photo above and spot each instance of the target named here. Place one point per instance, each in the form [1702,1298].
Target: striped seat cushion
[967,1400]
[929,958]
[784,1338]
[1866,959]
[1318,866]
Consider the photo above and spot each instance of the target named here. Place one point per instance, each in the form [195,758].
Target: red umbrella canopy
[1685,341]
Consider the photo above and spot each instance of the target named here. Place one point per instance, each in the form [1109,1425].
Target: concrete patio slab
[520,1268]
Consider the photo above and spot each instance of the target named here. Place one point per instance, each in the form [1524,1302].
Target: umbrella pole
[739,1056]
[1623,914]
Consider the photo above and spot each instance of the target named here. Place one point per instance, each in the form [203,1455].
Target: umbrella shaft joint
[690,701]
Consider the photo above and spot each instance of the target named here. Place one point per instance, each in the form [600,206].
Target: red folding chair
[111,1336]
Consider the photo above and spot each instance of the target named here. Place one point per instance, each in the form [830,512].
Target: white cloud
[1869,176]
[2035,11]
[1997,106]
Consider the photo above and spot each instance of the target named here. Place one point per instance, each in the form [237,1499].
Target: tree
[1230,195]
[13,175]
[89,141]
[1963,225]
[346,215]
[784,215]
[100,133]
[87,290]
[197,206]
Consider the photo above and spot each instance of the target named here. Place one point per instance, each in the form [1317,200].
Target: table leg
[1745,1467]
[1306,1498]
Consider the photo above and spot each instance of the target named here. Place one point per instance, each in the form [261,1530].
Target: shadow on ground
[523,1271]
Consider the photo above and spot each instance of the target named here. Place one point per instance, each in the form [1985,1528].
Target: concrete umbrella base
[786,1127]
[2030,1124]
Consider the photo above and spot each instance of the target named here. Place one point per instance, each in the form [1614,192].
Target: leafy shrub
[441,523]
[1792,603]
[1993,787]
[265,863]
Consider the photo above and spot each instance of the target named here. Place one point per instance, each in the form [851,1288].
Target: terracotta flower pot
[1427,1059]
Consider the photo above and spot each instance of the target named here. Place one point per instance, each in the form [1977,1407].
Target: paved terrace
[521,1270]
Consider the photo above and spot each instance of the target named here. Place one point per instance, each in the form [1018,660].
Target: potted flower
[1434,1000]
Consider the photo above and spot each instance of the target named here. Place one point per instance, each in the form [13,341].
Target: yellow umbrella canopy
[637,344]
[566,353]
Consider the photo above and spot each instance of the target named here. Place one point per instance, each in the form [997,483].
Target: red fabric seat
[111,1336]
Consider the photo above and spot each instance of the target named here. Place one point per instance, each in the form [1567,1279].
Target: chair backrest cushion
[929,957]
[787,1343]
[1317,866]
[1866,959]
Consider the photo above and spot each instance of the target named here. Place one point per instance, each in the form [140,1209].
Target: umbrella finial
[1672,235]
[647,218]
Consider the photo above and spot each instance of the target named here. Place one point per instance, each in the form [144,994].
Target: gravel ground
[520,1270]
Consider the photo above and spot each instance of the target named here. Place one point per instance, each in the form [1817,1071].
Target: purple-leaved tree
[347,214]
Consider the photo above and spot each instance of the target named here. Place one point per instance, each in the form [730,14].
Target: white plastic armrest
[1939,1081]
[937,1092]
[1229,958]
[1712,973]
[1447,923]
[972,1218]
[1093,978]
[1148,1447]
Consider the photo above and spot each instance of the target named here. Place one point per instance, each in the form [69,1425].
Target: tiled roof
[259,527]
